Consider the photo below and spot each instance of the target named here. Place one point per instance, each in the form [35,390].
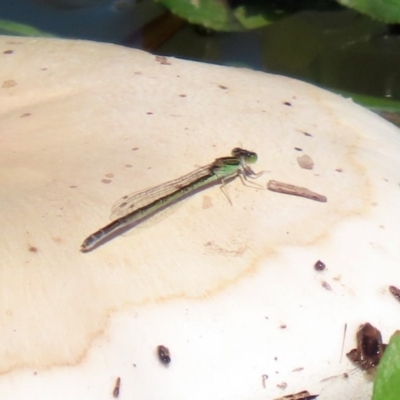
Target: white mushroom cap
[230,290]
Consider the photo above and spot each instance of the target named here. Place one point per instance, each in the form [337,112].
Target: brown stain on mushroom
[9,83]
[73,295]
[77,323]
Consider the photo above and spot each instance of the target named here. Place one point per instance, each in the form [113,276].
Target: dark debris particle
[303,395]
[8,52]
[163,354]
[286,103]
[369,349]
[395,292]
[223,87]
[298,149]
[117,387]
[326,285]
[282,385]
[33,249]
[319,266]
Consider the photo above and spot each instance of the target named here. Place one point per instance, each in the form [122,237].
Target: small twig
[344,338]
[264,378]
[286,188]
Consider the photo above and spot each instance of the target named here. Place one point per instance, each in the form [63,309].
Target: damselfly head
[249,157]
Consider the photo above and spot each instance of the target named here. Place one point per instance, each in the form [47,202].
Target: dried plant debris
[163,60]
[305,162]
[163,354]
[116,387]
[264,379]
[344,338]
[395,292]
[369,348]
[319,266]
[282,385]
[326,285]
[304,395]
[286,188]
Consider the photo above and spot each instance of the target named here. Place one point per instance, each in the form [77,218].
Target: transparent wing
[131,202]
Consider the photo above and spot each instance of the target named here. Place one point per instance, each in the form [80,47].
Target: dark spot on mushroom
[326,285]
[117,387]
[319,266]
[163,354]
[395,292]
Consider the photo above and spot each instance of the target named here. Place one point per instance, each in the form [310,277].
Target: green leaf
[387,381]
[211,14]
[220,16]
[387,11]
[252,17]
[14,28]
